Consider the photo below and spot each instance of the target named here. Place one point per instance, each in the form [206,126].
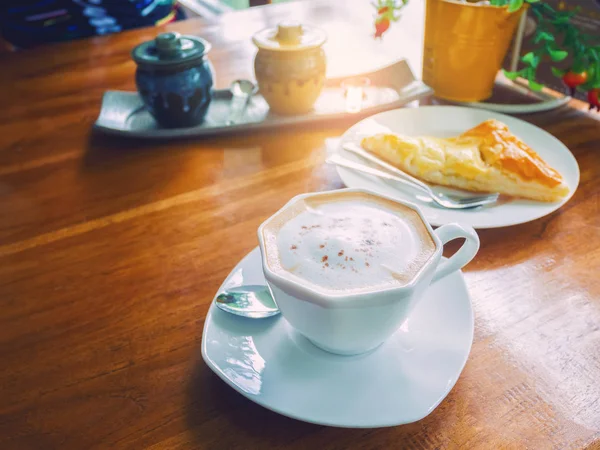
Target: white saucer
[445,121]
[400,382]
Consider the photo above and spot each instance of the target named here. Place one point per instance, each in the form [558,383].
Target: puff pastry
[487,158]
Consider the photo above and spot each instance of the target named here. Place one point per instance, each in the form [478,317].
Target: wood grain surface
[111,251]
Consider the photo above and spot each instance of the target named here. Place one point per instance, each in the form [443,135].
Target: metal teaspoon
[254,302]
[241,91]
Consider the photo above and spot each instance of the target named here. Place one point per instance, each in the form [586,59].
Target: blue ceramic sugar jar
[174,78]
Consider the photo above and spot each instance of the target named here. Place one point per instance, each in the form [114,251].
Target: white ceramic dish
[401,381]
[445,121]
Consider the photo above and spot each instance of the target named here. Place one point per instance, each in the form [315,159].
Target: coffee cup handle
[465,253]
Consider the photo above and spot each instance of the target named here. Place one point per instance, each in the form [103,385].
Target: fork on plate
[395,174]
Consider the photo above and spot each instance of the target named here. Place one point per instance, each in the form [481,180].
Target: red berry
[381,26]
[574,79]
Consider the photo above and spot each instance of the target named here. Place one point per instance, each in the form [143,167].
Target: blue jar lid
[170,49]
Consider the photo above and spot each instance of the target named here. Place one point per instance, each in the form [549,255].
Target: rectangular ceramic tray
[122,113]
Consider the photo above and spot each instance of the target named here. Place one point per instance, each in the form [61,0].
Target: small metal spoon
[254,302]
[241,91]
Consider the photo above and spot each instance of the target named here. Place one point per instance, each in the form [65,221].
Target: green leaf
[592,73]
[543,36]
[548,9]
[557,72]
[538,15]
[514,5]
[535,86]
[578,66]
[510,75]
[562,20]
[586,87]
[557,55]
[531,59]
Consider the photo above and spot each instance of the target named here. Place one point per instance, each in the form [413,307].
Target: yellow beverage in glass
[465,44]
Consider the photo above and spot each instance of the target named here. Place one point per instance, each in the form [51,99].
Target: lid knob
[289,32]
[168,45]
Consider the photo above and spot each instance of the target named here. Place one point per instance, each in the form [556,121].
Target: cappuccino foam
[346,242]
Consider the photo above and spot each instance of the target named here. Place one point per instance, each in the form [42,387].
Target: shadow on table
[103,149]
[218,414]
[513,245]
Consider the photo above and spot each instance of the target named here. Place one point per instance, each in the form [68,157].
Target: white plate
[446,121]
[400,382]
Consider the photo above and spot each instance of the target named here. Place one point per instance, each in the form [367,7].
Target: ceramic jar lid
[289,36]
[170,49]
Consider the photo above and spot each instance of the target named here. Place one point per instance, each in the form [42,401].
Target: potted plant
[466,42]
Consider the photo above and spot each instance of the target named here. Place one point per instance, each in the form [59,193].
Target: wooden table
[111,251]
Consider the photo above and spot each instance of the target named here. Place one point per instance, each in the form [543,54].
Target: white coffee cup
[349,324]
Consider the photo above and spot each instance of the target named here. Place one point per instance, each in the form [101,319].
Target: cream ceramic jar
[290,66]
